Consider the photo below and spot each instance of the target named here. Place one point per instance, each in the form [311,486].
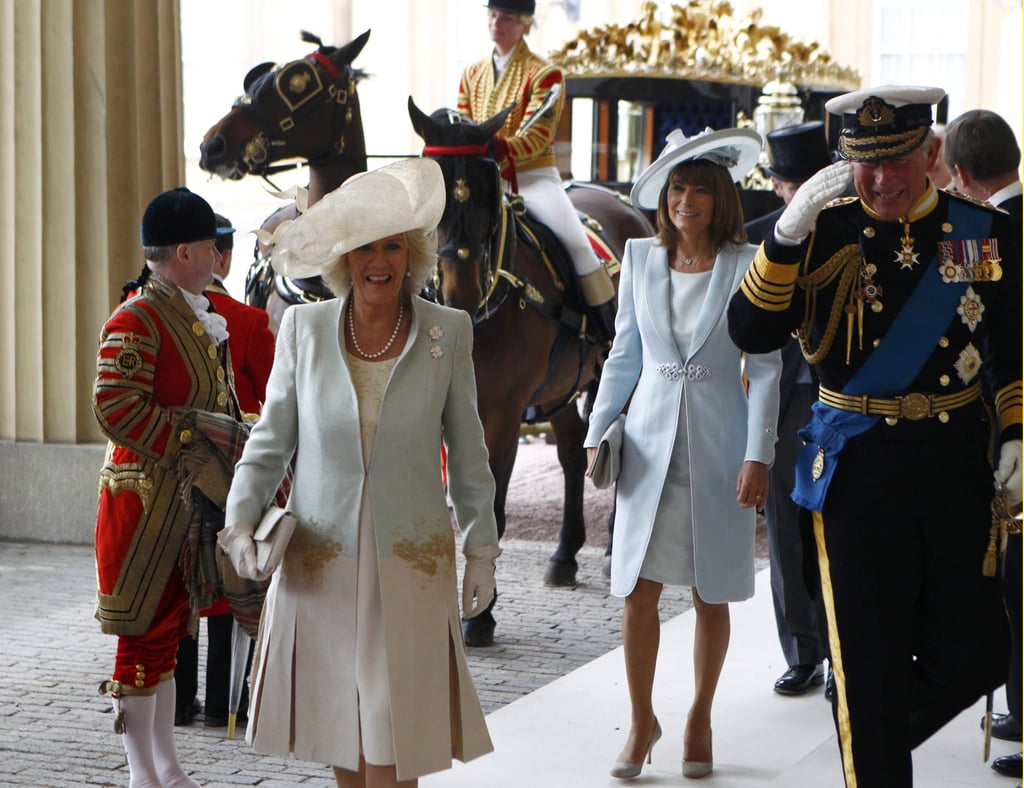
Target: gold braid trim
[1008,405]
[844,263]
[769,285]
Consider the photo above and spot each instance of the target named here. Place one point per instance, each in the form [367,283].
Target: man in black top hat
[797,152]
[903,299]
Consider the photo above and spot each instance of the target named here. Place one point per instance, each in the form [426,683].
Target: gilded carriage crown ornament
[703,39]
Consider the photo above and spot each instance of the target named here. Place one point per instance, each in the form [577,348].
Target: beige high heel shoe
[624,770]
[698,769]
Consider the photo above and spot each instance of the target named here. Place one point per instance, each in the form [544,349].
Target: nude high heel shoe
[624,770]
[698,769]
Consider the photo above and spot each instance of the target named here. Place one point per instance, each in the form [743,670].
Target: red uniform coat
[155,364]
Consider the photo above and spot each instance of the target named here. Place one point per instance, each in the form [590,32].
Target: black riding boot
[602,317]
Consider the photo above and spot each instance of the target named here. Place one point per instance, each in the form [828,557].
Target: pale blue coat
[724,426]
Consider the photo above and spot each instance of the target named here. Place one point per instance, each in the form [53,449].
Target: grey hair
[422,260]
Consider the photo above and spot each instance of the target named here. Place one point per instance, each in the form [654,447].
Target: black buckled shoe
[799,679]
[186,714]
[1008,765]
[1005,727]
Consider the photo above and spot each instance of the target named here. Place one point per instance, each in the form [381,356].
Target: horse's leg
[502,437]
[569,431]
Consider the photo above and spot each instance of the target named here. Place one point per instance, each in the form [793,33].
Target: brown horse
[307,109]
[531,347]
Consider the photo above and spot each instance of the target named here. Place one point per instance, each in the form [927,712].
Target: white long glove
[236,540]
[814,194]
[478,580]
[1009,470]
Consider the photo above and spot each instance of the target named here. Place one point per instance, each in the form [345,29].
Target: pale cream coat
[304,699]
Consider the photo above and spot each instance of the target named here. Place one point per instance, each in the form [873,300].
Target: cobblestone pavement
[56,731]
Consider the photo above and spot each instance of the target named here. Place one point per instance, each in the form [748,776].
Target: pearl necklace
[390,342]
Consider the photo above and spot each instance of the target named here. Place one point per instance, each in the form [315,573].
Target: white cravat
[216,326]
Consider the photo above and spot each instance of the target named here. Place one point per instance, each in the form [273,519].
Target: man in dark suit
[797,152]
[983,156]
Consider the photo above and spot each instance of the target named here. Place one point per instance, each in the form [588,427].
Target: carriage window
[581,159]
[630,141]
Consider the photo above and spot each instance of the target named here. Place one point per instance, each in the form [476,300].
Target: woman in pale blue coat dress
[697,444]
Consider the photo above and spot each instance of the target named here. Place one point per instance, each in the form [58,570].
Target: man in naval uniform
[163,359]
[903,298]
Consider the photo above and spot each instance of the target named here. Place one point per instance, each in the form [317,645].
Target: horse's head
[304,109]
[472,210]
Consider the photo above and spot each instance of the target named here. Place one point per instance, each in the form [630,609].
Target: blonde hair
[422,260]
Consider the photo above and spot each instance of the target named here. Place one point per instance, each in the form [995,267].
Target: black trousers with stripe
[917,633]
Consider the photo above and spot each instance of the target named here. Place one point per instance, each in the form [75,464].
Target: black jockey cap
[179,216]
[885,122]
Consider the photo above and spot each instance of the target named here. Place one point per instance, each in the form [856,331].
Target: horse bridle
[465,247]
[292,83]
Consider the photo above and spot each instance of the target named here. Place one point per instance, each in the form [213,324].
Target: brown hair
[727,220]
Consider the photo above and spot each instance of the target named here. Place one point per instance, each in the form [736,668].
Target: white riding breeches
[545,196]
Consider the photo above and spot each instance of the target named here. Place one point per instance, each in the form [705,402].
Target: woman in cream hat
[696,448]
[360,662]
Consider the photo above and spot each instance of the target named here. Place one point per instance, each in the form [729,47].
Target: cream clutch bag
[609,454]
[272,536]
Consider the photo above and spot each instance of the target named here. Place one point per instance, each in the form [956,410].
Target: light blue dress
[669,558]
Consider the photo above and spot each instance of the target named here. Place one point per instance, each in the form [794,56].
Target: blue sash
[890,369]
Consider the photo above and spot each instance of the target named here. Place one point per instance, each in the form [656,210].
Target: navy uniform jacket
[772,302]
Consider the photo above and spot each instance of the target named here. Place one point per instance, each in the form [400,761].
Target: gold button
[140,666]
[944,380]
[220,374]
[943,341]
[222,398]
[139,683]
[877,342]
[943,416]
[185,437]
[197,329]
[891,420]
[947,227]
[211,351]
[876,306]
[869,232]
[141,674]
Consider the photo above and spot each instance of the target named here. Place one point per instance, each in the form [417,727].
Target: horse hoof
[559,574]
[478,632]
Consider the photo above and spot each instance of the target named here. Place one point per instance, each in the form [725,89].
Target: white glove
[814,194]
[478,580]
[236,540]
[1009,470]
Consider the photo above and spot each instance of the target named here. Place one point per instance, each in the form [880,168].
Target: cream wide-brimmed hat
[407,195]
[735,149]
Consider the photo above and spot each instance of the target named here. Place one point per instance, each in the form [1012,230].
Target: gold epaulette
[974,201]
